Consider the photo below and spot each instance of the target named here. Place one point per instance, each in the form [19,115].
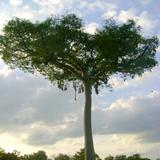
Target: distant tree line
[41,155]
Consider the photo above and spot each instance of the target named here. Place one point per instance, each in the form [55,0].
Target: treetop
[61,50]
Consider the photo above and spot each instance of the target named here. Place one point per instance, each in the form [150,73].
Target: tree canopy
[62,51]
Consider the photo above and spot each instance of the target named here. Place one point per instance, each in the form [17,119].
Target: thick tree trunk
[89,147]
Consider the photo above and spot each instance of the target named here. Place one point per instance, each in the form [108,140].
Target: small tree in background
[109,158]
[136,157]
[62,157]
[40,155]
[63,52]
[15,155]
[81,155]
[120,157]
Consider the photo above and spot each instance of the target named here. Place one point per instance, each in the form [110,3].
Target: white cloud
[5,71]
[27,100]
[143,19]
[91,28]
[158,49]
[28,12]
[124,116]
[81,8]
[147,22]
[16,2]
[127,144]
[11,142]
[103,5]
[109,14]
[3,18]
[146,79]
[124,15]
[25,12]
[55,6]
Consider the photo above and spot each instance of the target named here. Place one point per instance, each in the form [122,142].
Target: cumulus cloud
[4,71]
[135,115]
[81,8]
[120,141]
[41,135]
[143,18]
[144,80]
[109,14]
[16,2]
[25,12]
[28,100]
[16,91]
[56,6]
[147,22]
[47,8]
[3,18]
[51,109]
[91,27]
[103,5]
[124,15]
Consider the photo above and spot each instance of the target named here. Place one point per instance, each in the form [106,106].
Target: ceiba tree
[61,50]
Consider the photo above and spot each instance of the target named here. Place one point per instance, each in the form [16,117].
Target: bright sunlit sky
[35,115]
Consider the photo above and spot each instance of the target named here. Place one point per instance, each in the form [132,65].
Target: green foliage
[124,157]
[120,157]
[62,157]
[1,151]
[80,156]
[109,158]
[9,156]
[62,51]
[40,155]
[125,50]
[136,157]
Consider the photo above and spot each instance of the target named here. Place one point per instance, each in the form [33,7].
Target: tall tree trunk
[89,147]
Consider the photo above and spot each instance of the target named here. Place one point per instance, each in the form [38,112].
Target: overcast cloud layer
[34,114]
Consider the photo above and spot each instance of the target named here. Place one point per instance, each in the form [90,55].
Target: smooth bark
[89,147]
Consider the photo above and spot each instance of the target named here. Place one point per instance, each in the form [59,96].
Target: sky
[35,115]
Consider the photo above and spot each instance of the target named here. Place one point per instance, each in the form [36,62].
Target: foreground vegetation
[41,155]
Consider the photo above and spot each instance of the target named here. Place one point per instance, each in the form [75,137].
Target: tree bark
[89,147]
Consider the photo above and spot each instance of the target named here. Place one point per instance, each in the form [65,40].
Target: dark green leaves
[60,50]
[124,49]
